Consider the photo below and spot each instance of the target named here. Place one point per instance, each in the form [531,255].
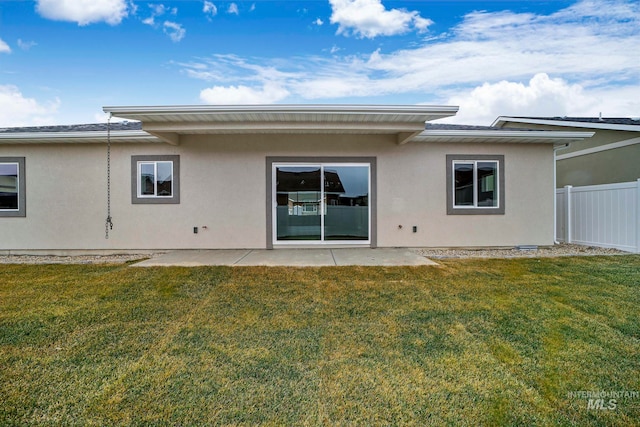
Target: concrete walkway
[289,257]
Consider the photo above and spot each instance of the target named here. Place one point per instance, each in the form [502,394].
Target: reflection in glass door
[346,193]
[322,202]
[298,197]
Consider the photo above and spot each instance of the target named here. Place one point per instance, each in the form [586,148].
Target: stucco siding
[223,189]
[65,191]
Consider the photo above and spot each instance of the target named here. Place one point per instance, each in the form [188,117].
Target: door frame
[270,194]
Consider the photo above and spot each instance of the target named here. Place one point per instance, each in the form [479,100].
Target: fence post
[638,216]
[567,213]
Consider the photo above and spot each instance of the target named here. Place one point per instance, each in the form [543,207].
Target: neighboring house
[206,177]
[611,156]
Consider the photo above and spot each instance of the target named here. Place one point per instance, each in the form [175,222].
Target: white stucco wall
[223,188]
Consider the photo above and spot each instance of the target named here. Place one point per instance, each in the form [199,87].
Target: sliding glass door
[347,202]
[321,202]
[298,197]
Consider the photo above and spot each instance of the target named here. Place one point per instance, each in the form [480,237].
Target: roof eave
[502,136]
[501,121]
[172,121]
[124,111]
[76,137]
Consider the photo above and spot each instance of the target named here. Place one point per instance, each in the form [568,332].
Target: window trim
[474,210]
[22,198]
[474,181]
[155,165]
[137,197]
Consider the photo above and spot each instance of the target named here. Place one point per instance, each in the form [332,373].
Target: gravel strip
[544,251]
[72,259]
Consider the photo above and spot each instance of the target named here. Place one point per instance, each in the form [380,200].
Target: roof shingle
[628,121]
[92,127]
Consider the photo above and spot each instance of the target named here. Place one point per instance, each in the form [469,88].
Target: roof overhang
[501,136]
[88,137]
[503,120]
[171,122]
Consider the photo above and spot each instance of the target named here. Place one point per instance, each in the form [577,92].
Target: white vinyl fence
[600,215]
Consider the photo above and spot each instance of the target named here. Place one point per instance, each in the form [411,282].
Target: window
[155,179]
[475,184]
[12,187]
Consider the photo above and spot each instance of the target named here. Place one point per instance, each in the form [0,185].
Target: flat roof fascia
[254,117]
[501,121]
[77,137]
[519,136]
[444,110]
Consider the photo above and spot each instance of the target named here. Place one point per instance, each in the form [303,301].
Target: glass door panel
[346,195]
[298,203]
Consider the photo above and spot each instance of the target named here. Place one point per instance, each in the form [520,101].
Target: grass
[473,342]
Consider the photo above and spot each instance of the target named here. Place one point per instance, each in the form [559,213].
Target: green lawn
[473,342]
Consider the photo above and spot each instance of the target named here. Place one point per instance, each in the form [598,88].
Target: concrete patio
[289,257]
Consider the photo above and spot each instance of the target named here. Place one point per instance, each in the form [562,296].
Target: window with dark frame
[475,184]
[155,179]
[12,187]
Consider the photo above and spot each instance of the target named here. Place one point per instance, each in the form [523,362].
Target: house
[207,177]
[611,156]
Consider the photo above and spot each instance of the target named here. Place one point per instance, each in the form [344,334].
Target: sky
[61,61]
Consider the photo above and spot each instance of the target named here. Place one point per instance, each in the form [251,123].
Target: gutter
[506,134]
[74,137]
[503,120]
[444,110]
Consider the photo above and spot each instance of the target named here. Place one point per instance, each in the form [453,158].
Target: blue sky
[62,60]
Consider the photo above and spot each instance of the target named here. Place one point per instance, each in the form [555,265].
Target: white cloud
[369,18]
[84,12]
[17,110]
[318,22]
[222,95]
[26,45]
[4,47]
[233,9]
[541,96]
[175,31]
[622,101]
[102,117]
[209,9]
[158,10]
